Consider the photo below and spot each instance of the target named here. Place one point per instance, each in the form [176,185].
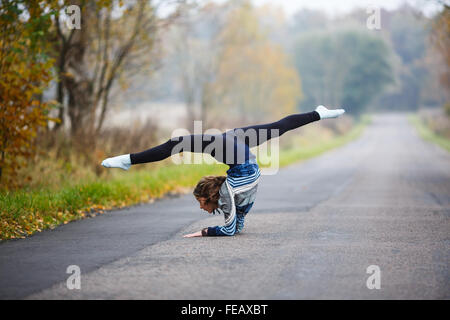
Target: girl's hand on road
[191,235]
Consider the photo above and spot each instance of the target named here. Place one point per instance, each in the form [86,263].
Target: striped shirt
[237,195]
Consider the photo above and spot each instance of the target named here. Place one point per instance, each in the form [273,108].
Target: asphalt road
[315,228]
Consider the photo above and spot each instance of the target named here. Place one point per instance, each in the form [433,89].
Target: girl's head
[207,192]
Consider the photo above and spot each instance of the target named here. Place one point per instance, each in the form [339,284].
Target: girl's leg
[197,143]
[258,134]
[224,148]
[190,143]
[265,132]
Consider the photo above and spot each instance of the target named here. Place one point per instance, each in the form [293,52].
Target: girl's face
[206,206]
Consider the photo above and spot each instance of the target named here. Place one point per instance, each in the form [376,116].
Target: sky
[336,7]
[331,7]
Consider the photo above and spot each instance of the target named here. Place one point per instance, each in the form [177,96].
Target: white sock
[123,162]
[326,113]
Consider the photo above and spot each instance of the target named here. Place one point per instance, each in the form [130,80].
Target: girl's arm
[200,233]
[191,235]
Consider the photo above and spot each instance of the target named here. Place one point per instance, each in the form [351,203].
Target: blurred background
[134,71]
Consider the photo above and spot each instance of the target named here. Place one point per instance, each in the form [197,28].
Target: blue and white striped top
[237,195]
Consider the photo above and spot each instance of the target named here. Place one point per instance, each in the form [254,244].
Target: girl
[234,194]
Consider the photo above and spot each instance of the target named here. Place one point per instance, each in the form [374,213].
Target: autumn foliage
[441,39]
[25,72]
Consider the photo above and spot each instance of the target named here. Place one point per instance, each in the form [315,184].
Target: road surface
[382,200]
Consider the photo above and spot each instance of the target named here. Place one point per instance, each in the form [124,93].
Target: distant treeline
[339,61]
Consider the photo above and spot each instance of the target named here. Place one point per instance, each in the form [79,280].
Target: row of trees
[346,68]
[403,39]
[338,61]
[220,59]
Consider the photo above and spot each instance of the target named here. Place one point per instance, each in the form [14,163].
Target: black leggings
[239,140]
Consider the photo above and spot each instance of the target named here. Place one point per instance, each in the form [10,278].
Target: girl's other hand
[191,235]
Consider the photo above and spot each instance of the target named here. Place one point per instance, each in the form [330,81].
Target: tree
[194,54]
[369,72]
[255,77]
[441,39]
[92,59]
[322,63]
[406,29]
[25,69]
[343,69]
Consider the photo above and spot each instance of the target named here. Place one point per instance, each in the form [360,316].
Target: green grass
[427,134]
[25,212]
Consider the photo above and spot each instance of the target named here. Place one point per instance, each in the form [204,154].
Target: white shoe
[122,162]
[325,113]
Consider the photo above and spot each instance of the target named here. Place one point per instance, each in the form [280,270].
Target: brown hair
[208,187]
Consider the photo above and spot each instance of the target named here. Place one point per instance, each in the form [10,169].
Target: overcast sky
[336,7]
[333,7]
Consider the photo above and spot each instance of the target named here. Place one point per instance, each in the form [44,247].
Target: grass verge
[427,134]
[25,212]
